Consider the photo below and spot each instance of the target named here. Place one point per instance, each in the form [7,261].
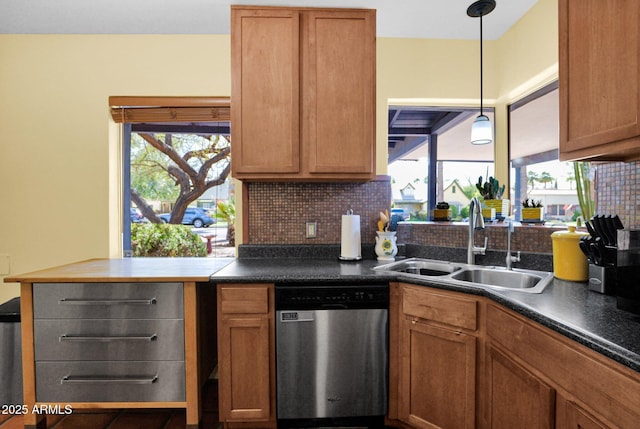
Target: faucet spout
[476,222]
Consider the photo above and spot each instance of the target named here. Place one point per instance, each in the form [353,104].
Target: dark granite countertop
[569,308]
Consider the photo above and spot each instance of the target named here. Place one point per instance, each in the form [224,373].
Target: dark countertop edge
[587,339]
[594,342]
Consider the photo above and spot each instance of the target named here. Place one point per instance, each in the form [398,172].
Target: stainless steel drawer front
[108,300]
[110,381]
[110,339]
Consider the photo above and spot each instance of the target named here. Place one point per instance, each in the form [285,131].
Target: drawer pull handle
[109,380]
[105,339]
[72,301]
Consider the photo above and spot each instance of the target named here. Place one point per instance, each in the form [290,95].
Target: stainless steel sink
[523,280]
[424,267]
[529,281]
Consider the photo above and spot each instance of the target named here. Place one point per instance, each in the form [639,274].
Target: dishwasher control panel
[291,297]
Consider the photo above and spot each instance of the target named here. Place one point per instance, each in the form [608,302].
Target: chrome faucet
[475,222]
[510,258]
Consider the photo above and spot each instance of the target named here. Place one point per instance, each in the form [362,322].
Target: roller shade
[126,109]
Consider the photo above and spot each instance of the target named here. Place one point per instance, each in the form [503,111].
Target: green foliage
[583,189]
[226,210]
[154,239]
[490,190]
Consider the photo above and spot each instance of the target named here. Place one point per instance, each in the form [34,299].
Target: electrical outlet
[312,229]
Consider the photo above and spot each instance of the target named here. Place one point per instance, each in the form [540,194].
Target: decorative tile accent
[278,211]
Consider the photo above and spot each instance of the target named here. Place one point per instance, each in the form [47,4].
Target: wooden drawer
[440,307]
[108,300]
[110,381]
[111,339]
[244,300]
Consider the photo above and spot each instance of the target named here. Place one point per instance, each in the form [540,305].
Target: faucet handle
[482,250]
[516,258]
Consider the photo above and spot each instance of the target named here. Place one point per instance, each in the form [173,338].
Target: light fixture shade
[481,130]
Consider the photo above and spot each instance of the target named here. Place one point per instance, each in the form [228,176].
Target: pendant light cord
[481,92]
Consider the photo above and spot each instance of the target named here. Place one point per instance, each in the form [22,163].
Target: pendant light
[481,130]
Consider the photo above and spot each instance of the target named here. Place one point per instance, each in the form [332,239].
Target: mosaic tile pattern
[618,192]
[455,234]
[278,211]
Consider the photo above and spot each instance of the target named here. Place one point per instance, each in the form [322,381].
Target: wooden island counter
[118,333]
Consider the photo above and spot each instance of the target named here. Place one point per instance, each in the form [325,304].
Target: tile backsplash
[617,191]
[278,212]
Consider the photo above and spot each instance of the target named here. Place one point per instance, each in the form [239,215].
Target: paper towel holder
[352,258]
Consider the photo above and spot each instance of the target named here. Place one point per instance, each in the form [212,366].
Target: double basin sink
[499,278]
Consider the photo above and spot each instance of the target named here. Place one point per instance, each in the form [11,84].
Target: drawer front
[108,300]
[245,300]
[111,339]
[110,381]
[440,307]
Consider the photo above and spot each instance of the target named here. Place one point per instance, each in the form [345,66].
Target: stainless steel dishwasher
[331,355]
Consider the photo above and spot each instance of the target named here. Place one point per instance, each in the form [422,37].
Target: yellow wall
[60,152]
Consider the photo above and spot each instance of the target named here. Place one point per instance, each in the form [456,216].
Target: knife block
[602,279]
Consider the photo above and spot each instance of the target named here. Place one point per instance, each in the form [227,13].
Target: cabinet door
[437,377]
[265,91]
[339,91]
[244,369]
[516,398]
[599,64]
[571,416]
[246,354]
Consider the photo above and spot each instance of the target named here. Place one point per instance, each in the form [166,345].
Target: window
[536,173]
[429,149]
[177,160]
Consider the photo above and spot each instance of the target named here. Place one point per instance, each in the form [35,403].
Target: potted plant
[532,211]
[491,193]
[442,211]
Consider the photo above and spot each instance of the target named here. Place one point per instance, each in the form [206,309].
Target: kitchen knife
[597,249]
[611,230]
[592,232]
[617,223]
[584,246]
[598,224]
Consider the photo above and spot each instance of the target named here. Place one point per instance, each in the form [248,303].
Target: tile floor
[129,419]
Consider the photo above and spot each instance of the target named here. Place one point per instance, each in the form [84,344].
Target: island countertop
[127,270]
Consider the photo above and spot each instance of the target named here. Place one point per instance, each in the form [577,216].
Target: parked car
[400,213]
[136,215]
[195,216]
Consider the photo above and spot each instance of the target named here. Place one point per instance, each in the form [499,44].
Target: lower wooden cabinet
[461,361]
[246,361]
[516,398]
[437,375]
[539,378]
[571,416]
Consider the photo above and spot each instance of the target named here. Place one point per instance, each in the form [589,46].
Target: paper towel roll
[350,248]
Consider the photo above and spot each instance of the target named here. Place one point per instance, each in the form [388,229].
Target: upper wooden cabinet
[599,66]
[303,93]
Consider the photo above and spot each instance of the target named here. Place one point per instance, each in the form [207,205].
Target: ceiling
[409,127]
[431,19]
